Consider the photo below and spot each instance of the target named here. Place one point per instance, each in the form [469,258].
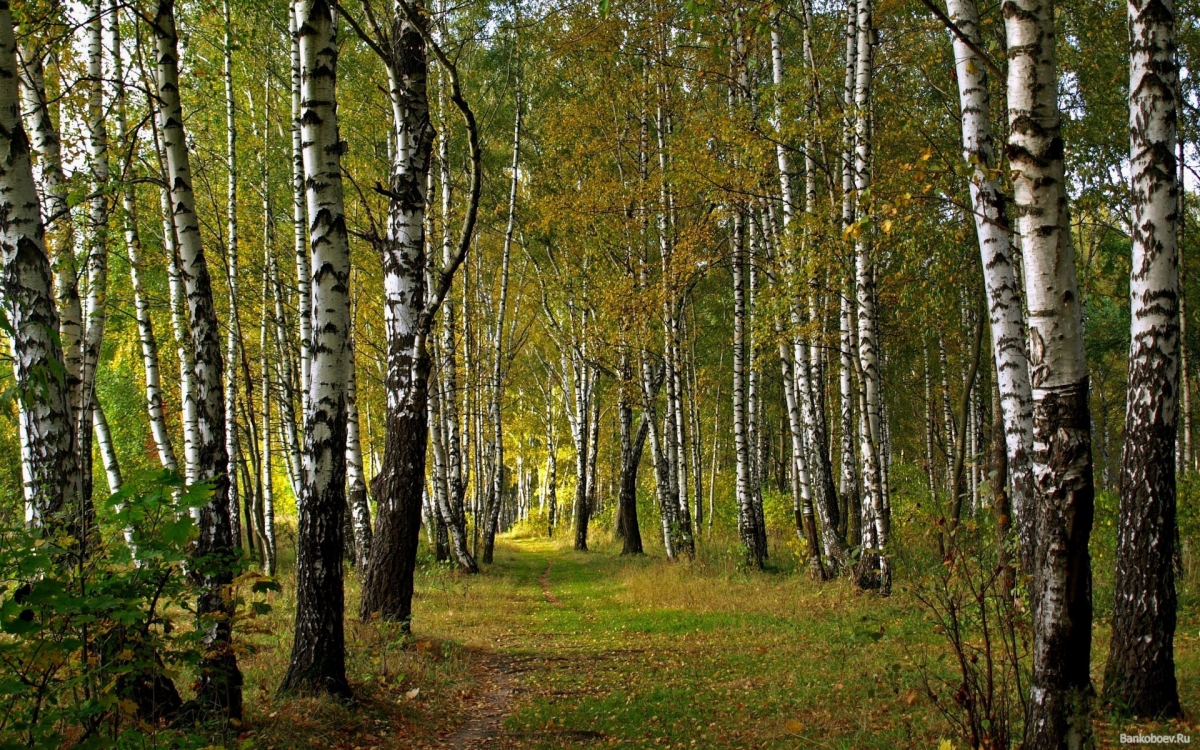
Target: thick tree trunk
[1140,676]
[399,485]
[50,466]
[60,229]
[318,661]
[1058,712]
[631,458]
[220,680]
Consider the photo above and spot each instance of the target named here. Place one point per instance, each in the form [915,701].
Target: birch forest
[618,373]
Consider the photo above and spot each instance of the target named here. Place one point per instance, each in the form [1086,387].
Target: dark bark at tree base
[631,459]
[1139,678]
[388,580]
[808,528]
[318,663]
[1059,710]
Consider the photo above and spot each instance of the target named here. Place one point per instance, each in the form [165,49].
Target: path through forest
[550,648]
[591,649]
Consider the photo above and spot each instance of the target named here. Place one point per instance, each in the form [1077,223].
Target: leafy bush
[88,649]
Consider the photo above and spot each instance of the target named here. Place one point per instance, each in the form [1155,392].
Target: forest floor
[551,648]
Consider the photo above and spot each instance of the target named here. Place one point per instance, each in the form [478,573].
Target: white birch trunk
[868,344]
[220,682]
[318,652]
[133,252]
[234,334]
[1058,713]
[95,305]
[60,229]
[49,466]
[300,224]
[1005,308]
[1140,675]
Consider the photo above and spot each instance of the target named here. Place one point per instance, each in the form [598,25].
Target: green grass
[640,652]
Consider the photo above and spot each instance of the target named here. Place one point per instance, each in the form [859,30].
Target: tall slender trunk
[444,490]
[300,222]
[1006,313]
[868,343]
[267,527]
[234,335]
[1140,676]
[1058,712]
[694,429]
[847,344]
[95,297]
[220,680]
[133,252]
[930,423]
[802,507]
[356,496]
[747,519]
[497,390]
[551,483]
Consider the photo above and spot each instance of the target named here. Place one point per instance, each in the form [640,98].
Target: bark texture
[1140,676]
[1059,708]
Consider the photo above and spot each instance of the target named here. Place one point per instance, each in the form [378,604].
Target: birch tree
[1058,713]
[51,469]
[1005,308]
[410,307]
[318,661]
[1140,676]
[220,680]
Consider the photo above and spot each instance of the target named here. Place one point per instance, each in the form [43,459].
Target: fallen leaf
[412,693]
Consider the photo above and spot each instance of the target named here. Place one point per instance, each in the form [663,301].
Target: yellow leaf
[794,727]
[927,154]
[946,745]
[887,226]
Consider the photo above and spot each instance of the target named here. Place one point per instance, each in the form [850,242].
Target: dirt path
[497,684]
[545,581]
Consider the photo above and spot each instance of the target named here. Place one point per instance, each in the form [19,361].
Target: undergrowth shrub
[94,639]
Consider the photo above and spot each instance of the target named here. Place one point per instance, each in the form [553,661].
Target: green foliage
[88,648]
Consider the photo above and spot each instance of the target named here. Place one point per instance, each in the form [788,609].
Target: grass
[638,652]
